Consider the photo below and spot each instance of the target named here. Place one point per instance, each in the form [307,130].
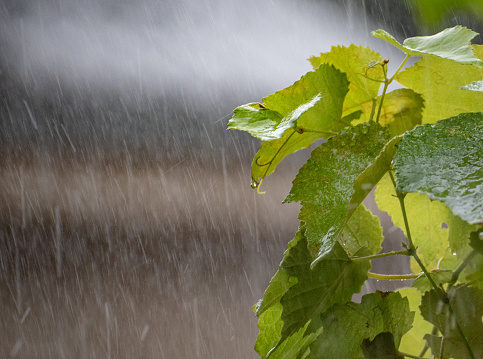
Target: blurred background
[128,228]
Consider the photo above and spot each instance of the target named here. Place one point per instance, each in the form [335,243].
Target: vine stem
[440,292]
[381,255]
[392,276]
[386,84]
[399,68]
[412,249]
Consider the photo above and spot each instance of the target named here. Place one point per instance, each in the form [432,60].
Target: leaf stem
[386,84]
[399,68]
[302,130]
[381,255]
[392,276]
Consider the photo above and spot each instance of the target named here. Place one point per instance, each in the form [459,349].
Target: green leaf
[467,311]
[425,219]
[325,184]
[265,124]
[309,291]
[315,118]
[401,111]
[363,230]
[445,162]
[476,241]
[412,342]
[382,347]
[269,309]
[347,325]
[439,81]
[459,234]
[453,43]
[333,279]
[355,61]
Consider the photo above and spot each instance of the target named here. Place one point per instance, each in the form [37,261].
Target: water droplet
[365,129]
[254,184]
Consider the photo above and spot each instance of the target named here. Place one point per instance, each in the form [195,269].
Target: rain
[128,227]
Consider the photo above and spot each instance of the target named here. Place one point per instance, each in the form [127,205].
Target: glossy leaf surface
[453,44]
[325,184]
[445,162]
[265,124]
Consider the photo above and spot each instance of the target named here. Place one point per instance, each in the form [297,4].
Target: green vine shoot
[420,149]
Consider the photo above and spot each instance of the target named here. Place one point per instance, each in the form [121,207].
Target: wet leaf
[453,43]
[355,61]
[439,277]
[265,124]
[425,219]
[382,347]
[439,81]
[346,326]
[320,95]
[333,279]
[401,111]
[363,230]
[445,162]
[412,342]
[325,184]
[467,312]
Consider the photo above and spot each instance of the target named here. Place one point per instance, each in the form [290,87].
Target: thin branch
[381,255]
[392,276]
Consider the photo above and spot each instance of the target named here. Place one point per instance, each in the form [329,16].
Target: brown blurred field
[127,259]
[124,261]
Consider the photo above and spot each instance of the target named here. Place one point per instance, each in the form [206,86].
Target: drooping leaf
[439,81]
[265,124]
[466,311]
[347,325]
[401,111]
[453,43]
[382,347]
[445,162]
[412,342]
[325,184]
[365,80]
[320,119]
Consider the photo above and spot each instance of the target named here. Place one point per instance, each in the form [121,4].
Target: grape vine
[421,148]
